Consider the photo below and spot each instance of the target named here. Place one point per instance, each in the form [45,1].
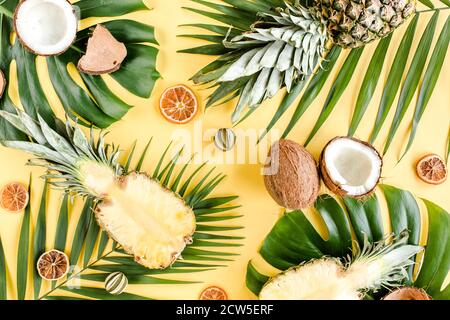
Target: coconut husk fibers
[104,54]
[408,293]
[337,189]
[295,182]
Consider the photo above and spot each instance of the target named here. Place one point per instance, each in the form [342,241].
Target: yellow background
[259,211]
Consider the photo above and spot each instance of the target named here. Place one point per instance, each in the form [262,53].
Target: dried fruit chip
[213,293]
[14,197]
[178,104]
[432,169]
[53,265]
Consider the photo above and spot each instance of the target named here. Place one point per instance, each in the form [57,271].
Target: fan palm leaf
[294,240]
[398,80]
[94,103]
[94,256]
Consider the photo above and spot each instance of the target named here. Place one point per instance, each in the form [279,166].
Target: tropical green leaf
[40,232]
[62,226]
[3,274]
[81,232]
[294,240]
[91,240]
[23,252]
[338,88]
[369,83]
[313,89]
[412,78]
[430,79]
[437,255]
[102,294]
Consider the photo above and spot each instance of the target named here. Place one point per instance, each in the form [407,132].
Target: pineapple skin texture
[149,221]
[355,23]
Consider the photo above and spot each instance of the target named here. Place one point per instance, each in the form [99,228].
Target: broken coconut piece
[104,53]
[351,167]
[2,83]
[46,27]
[408,293]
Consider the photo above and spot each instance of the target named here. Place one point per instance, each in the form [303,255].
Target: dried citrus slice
[432,169]
[14,197]
[53,265]
[213,293]
[178,104]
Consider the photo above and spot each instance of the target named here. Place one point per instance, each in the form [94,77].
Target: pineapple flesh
[149,221]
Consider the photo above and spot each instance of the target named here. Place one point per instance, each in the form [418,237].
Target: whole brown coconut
[408,293]
[2,83]
[291,175]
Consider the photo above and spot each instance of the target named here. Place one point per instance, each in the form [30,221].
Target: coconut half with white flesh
[351,167]
[46,27]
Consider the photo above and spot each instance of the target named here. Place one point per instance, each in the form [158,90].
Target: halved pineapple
[149,221]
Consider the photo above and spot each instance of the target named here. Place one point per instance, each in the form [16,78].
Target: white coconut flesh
[46,27]
[353,166]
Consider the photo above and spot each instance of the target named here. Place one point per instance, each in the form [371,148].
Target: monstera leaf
[294,240]
[93,256]
[235,17]
[95,104]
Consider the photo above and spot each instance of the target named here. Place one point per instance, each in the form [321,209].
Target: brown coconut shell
[104,54]
[2,83]
[408,293]
[337,189]
[24,44]
[295,182]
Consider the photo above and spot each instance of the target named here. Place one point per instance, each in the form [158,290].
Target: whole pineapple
[354,23]
[288,44]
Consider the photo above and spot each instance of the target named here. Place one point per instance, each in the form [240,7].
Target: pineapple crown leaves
[281,49]
[61,151]
[382,264]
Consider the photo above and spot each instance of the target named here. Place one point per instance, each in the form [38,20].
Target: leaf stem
[76,274]
[6,12]
[432,10]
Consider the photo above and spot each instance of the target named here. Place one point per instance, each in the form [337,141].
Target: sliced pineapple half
[150,222]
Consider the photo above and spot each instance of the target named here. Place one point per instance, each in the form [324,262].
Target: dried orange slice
[53,265]
[213,293]
[14,197]
[432,169]
[178,104]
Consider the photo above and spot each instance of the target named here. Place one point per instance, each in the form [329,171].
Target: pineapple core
[149,221]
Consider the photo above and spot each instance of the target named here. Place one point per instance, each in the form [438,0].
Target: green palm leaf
[3,274]
[39,239]
[294,240]
[221,12]
[23,252]
[98,105]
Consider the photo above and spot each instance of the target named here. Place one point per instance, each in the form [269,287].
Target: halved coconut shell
[291,176]
[2,83]
[408,293]
[351,167]
[46,27]
[104,53]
